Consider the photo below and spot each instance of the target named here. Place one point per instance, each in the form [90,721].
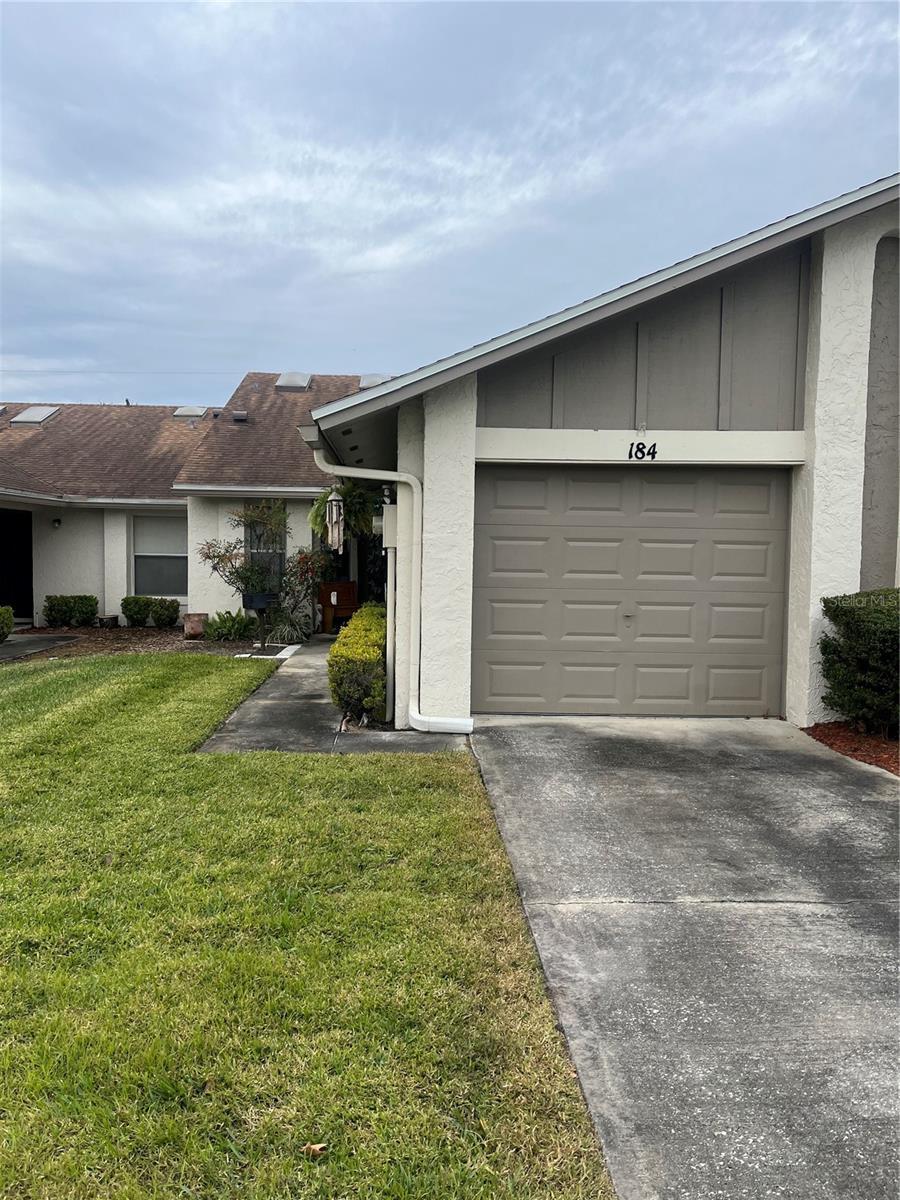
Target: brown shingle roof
[15,479]
[99,450]
[267,450]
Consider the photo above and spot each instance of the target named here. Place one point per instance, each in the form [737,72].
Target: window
[160,556]
[265,539]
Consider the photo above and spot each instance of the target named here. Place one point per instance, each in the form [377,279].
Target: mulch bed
[865,747]
[131,641]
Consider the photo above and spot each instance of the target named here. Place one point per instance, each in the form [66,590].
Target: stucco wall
[117,580]
[208,519]
[827,496]
[410,458]
[880,493]
[299,533]
[68,560]
[448,529]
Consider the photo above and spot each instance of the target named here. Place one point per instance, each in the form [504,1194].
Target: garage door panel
[657,684]
[615,560]
[727,498]
[507,618]
[641,590]
[586,558]
[590,496]
[748,622]
[586,621]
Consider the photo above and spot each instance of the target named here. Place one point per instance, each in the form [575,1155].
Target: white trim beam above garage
[671,446]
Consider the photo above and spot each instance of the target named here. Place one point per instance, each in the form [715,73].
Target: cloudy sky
[190,192]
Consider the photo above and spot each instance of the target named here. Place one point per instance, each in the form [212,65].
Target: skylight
[36,415]
[189,410]
[297,380]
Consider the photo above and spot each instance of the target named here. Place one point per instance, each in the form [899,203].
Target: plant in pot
[359,507]
[253,562]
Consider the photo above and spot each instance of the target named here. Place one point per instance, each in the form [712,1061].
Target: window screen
[160,535]
[266,548]
[160,556]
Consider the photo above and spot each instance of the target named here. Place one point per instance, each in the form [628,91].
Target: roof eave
[211,490]
[612,303]
[64,499]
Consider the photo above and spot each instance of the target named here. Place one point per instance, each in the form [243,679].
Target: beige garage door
[650,590]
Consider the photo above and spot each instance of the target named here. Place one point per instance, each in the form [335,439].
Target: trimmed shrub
[860,657]
[136,610]
[70,610]
[356,671]
[7,620]
[231,627]
[164,612]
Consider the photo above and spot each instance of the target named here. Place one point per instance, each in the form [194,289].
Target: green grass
[210,961]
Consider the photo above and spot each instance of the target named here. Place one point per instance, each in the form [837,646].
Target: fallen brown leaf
[315,1149]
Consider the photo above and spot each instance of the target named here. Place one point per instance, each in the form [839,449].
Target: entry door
[16,576]
[642,590]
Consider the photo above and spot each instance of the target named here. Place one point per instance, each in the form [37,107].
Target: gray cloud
[229,187]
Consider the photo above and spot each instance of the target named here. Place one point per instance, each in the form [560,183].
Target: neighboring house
[635,505]
[113,501]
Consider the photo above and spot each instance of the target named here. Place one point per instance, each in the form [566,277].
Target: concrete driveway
[715,905]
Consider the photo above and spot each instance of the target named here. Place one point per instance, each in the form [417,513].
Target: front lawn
[212,962]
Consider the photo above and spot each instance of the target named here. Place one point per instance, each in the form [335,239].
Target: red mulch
[130,641]
[864,747]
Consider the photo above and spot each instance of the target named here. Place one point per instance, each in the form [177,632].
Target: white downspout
[391,554]
[416,719]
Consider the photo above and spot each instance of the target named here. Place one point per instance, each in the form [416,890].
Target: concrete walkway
[292,711]
[20,645]
[715,904]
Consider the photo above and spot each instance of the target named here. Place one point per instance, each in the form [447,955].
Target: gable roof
[620,299]
[92,451]
[264,452]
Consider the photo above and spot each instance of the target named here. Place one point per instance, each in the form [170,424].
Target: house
[113,501]
[635,505]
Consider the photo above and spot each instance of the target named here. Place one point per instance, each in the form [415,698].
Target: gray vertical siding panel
[594,379]
[879,526]
[683,360]
[724,354]
[517,393]
[764,344]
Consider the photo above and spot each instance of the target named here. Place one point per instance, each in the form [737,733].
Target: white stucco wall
[117,573]
[68,560]
[447,548]
[410,458]
[299,533]
[827,495]
[208,519]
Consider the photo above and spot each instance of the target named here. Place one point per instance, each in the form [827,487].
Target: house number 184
[641,450]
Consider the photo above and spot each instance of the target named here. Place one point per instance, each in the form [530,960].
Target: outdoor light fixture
[334,520]
[57,521]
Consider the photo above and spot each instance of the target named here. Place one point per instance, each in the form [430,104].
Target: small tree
[252,563]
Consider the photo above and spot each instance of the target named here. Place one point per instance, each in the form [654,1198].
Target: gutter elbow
[461,725]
